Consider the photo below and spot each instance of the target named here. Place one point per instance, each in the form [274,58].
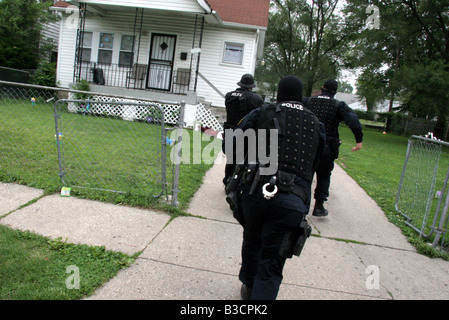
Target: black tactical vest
[325,109]
[236,107]
[298,136]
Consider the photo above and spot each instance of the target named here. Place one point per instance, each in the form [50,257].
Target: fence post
[58,138]
[440,229]
[178,153]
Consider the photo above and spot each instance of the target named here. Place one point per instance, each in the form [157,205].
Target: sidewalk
[195,258]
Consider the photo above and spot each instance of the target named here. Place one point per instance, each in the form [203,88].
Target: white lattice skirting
[193,114]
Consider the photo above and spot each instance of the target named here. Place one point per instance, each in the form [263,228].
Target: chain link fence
[27,135]
[48,141]
[113,146]
[422,196]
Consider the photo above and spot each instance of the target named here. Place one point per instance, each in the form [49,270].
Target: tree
[20,25]
[409,50]
[303,38]
[370,85]
[344,86]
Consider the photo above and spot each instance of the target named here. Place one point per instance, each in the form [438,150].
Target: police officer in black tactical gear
[238,104]
[330,112]
[272,208]
[241,101]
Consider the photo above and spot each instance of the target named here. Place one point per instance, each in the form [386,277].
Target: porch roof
[247,13]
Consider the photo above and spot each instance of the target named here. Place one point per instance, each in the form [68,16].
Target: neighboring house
[50,33]
[193,50]
[358,103]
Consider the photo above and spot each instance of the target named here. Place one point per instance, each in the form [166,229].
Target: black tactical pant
[323,173]
[265,223]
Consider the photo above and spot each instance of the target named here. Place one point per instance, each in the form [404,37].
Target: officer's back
[238,104]
[241,101]
[274,223]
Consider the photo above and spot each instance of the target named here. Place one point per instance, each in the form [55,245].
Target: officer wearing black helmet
[238,104]
[272,207]
[330,112]
[241,101]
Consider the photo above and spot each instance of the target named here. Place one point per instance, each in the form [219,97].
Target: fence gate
[113,146]
[423,197]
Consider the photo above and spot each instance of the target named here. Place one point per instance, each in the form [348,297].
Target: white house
[50,34]
[193,50]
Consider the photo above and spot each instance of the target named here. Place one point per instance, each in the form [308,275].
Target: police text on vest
[292,105]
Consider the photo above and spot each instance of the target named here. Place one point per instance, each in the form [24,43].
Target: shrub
[45,75]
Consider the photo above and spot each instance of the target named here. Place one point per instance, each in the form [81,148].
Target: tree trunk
[439,127]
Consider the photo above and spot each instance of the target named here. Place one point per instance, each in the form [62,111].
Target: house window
[126,51]
[233,53]
[86,49]
[105,48]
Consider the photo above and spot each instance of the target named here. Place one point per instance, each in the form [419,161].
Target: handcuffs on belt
[272,184]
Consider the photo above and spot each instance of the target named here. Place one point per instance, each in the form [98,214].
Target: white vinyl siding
[50,32]
[222,75]
[66,54]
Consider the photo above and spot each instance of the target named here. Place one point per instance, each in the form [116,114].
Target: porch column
[79,42]
[196,48]
[134,63]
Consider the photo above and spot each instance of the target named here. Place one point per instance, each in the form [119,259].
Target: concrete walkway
[354,253]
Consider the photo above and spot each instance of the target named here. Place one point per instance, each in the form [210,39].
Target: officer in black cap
[238,104]
[272,207]
[331,112]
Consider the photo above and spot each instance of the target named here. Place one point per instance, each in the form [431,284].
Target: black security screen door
[160,64]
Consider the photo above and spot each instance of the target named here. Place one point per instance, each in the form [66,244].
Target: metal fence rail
[418,199]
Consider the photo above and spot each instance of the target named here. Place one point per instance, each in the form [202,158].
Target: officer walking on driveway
[238,104]
[272,207]
[330,112]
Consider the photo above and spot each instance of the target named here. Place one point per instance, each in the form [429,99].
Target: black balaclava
[290,89]
[330,86]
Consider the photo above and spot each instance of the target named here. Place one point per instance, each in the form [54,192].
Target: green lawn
[377,169]
[98,152]
[36,268]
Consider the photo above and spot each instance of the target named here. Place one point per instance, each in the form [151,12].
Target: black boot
[245,292]
[319,210]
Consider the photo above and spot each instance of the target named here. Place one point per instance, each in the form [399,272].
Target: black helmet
[247,81]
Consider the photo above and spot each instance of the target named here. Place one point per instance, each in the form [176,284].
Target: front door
[162,54]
